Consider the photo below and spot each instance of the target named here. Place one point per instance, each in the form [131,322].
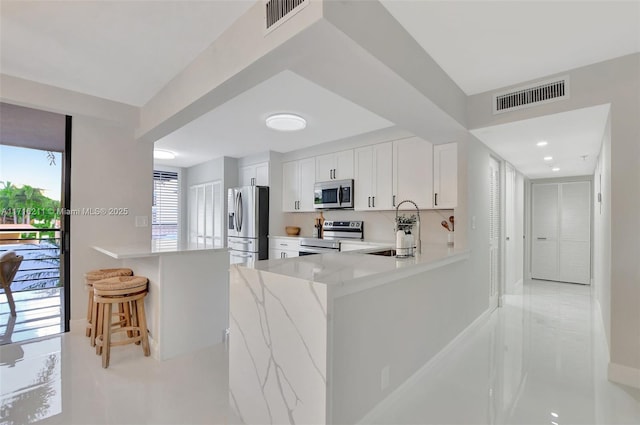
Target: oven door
[311,250]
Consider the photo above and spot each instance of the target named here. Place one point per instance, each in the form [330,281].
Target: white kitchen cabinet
[298,179]
[445,176]
[335,166]
[254,175]
[374,177]
[412,173]
[283,248]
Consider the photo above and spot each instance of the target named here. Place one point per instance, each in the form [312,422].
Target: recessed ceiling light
[555,169]
[286,122]
[160,154]
[542,143]
[548,158]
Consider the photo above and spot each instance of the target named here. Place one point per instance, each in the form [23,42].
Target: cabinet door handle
[508,238]
[369,201]
[393,201]
[373,201]
[436,200]
[542,239]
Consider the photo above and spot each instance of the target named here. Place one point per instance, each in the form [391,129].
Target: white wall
[602,231]
[108,169]
[617,82]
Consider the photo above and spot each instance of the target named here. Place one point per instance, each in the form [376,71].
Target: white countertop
[152,249]
[357,267]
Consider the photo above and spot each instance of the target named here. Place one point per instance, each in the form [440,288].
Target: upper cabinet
[335,166]
[412,173]
[373,177]
[298,179]
[254,175]
[445,176]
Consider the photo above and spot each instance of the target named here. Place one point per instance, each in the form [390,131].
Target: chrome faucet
[418,242]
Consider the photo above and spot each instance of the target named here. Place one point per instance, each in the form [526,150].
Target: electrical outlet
[384,378]
[142,221]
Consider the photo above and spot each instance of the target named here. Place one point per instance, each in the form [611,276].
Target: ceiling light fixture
[542,143]
[286,122]
[160,154]
[548,158]
[555,169]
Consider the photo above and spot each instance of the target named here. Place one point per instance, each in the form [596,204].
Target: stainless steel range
[333,232]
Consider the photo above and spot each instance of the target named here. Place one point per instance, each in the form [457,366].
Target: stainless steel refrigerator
[248,223]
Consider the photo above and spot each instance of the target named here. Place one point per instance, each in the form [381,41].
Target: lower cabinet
[283,248]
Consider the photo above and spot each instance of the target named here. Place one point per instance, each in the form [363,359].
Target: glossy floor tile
[541,359]
[38,314]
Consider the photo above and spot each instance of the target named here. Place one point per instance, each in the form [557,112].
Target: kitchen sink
[384,253]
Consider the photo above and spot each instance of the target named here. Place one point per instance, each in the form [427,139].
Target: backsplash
[378,225]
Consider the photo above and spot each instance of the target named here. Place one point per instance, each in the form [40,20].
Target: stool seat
[120,283]
[100,274]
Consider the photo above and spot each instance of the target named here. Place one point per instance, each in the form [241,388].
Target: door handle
[436,200]
[369,201]
[393,201]
[542,239]
[373,201]
[340,195]
[241,211]
[508,238]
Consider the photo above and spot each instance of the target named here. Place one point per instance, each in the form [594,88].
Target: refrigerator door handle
[241,209]
[235,217]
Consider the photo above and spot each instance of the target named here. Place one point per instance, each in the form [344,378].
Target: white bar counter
[187,306]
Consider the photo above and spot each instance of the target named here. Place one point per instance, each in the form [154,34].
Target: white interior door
[561,225]
[510,239]
[575,232]
[544,252]
[494,231]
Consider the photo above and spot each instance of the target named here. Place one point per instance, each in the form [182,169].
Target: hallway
[540,359]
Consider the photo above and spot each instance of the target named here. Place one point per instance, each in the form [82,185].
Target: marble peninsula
[325,338]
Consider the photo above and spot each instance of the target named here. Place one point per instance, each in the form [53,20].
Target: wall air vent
[533,95]
[278,11]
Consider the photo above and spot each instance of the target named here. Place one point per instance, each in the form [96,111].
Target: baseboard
[624,375]
[77,325]
[430,365]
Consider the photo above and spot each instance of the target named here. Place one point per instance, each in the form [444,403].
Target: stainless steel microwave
[333,194]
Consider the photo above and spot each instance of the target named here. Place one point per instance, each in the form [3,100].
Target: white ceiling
[486,45]
[128,50]
[237,127]
[119,50]
[570,135]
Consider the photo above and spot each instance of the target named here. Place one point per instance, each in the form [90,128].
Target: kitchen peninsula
[325,338]
[186,305]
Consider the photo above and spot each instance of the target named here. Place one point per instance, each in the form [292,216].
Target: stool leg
[142,323]
[106,335]
[89,311]
[97,328]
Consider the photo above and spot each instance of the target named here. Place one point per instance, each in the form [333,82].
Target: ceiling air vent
[538,94]
[278,11]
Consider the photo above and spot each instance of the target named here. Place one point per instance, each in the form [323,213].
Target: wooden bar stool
[89,278]
[121,290]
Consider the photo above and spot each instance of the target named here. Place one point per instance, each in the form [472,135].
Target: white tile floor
[541,359]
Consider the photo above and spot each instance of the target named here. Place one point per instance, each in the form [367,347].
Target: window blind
[164,220]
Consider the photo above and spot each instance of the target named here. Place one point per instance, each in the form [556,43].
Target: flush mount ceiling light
[160,154]
[555,169]
[286,122]
[548,158]
[542,143]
